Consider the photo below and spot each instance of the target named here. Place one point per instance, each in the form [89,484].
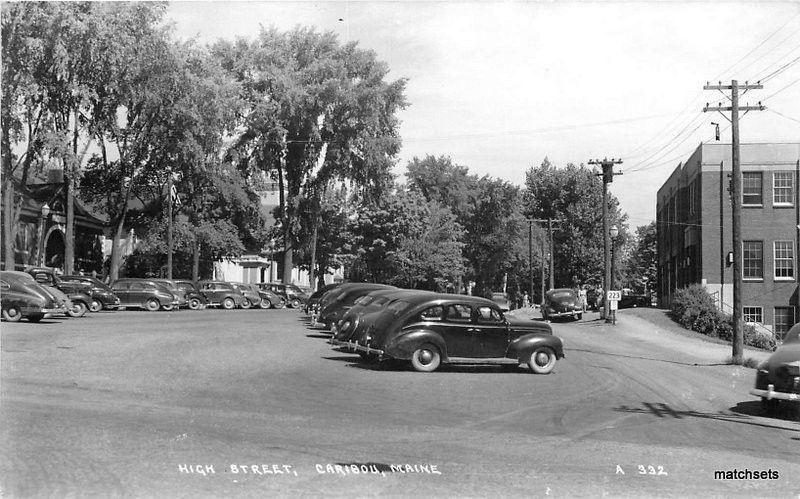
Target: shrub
[695,309]
[759,339]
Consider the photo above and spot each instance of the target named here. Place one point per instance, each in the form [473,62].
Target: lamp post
[45,212]
[613,232]
[271,248]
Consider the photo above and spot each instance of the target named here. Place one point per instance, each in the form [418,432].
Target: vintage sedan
[293,295]
[317,295]
[196,300]
[367,309]
[21,296]
[144,293]
[336,308]
[562,302]
[252,298]
[428,329]
[221,294]
[778,378]
[103,298]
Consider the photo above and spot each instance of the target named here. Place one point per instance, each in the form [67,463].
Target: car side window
[432,314]
[42,278]
[136,286]
[458,313]
[488,315]
[4,285]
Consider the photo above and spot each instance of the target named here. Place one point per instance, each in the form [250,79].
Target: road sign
[614,295]
[612,304]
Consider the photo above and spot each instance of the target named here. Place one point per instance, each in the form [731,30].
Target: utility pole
[734,108]
[530,254]
[608,177]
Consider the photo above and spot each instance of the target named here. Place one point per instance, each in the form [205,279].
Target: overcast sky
[499,86]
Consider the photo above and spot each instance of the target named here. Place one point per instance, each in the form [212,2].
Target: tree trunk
[169,226]
[70,169]
[312,268]
[8,219]
[196,260]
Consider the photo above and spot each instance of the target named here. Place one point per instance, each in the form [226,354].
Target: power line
[761,44]
[782,89]
[780,70]
[781,114]
[656,156]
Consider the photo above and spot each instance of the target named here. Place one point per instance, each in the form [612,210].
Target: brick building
[694,220]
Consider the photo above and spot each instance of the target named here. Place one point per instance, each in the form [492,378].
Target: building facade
[694,221]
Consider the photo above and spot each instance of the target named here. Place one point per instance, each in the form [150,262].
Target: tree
[317,110]
[575,195]
[642,263]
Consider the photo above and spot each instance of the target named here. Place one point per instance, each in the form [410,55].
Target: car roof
[419,297]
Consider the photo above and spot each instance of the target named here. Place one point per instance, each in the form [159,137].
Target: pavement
[255,403]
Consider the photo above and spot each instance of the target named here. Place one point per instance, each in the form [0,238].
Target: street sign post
[613,298]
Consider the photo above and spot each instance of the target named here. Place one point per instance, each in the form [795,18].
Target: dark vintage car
[78,293]
[778,378]
[562,302]
[268,298]
[221,294]
[430,328]
[195,299]
[252,298]
[633,300]
[367,309]
[293,295]
[102,295]
[144,293]
[172,285]
[335,309]
[21,296]
[313,300]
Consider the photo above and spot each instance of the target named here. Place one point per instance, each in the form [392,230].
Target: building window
[784,320]
[751,188]
[752,260]
[692,197]
[784,259]
[753,314]
[783,188]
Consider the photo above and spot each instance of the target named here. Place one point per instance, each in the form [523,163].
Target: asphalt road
[183,403]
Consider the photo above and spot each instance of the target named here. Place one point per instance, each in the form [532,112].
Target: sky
[499,86]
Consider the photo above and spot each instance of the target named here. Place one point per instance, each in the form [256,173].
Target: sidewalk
[677,339]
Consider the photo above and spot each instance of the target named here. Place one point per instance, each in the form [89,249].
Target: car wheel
[542,360]
[280,304]
[35,317]
[426,358]
[12,314]
[152,305]
[95,306]
[579,316]
[295,303]
[78,309]
[265,303]
[228,303]
[246,303]
[168,308]
[194,304]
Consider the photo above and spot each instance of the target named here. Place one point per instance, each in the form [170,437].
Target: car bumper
[770,394]
[37,310]
[352,345]
[571,313]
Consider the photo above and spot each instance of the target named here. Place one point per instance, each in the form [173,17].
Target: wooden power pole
[608,177]
[734,108]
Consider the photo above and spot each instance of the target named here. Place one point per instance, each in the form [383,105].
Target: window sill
[784,279]
[752,205]
[752,279]
[782,205]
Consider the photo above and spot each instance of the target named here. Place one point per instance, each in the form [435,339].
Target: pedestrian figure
[582,295]
[526,301]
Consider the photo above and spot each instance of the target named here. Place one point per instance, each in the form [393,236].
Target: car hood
[783,355]
[523,325]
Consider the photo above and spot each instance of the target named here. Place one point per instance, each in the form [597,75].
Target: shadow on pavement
[646,358]
[322,336]
[664,411]
[784,412]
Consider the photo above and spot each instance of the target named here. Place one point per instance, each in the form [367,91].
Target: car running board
[470,360]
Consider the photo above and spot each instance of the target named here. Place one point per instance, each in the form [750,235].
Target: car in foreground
[144,293]
[103,298]
[428,329]
[314,298]
[221,294]
[78,293]
[562,302]
[778,378]
[22,297]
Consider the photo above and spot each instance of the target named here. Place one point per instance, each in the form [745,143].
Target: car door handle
[472,330]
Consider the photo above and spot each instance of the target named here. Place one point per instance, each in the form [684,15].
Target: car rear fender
[521,348]
[403,345]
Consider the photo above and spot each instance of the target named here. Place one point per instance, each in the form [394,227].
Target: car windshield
[186,286]
[562,295]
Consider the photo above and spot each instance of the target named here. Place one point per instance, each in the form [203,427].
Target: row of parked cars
[40,291]
[427,329]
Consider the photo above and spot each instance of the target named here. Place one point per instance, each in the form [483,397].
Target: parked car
[196,300]
[366,309]
[562,302]
[21,296]
[269,299]
[176,290]
[101,293]
[428,329]
[778,378]
[252,298]
[317,295]
[294,296]
[144,293]
[633,300]
[221,294]
[336,308]
[79,293]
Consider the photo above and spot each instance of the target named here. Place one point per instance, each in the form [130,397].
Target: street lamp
[613,232]
[271,248]
[45,212]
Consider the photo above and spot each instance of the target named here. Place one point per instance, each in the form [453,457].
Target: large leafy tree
[641,264]
[316,110]
[574,195]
